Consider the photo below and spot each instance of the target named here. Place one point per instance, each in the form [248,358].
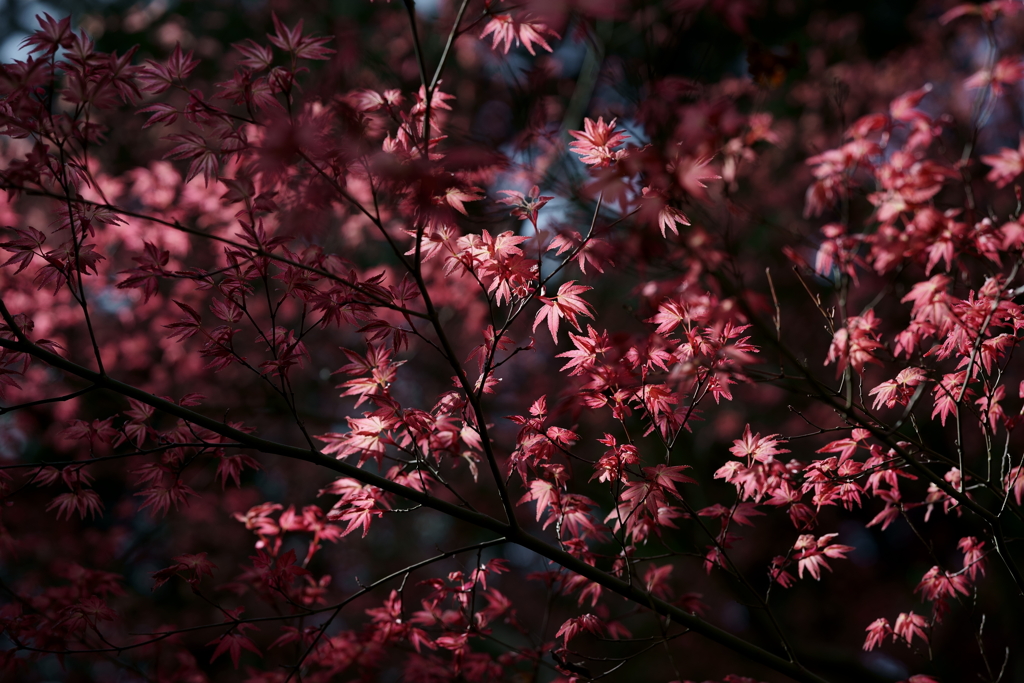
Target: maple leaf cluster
[500,342]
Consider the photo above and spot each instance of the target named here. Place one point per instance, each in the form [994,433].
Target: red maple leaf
[233,643]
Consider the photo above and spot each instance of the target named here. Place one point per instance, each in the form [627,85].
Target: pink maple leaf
[292,41]
[544,492]
[455,197]
[1006,71]
[908,625]
[666,477]
[566,304]
[573,627]
[596,142]
[525,207]
[812,553]
[1006,165]
[692,174]
[877,632]
[760,448]
[504,29]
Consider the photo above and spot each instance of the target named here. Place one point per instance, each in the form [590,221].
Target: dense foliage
[565,340]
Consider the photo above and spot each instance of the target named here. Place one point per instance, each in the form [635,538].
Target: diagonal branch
[514,535]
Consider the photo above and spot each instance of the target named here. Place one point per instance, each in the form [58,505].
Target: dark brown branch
[512,534]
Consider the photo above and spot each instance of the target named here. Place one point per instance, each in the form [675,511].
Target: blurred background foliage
[817,66]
